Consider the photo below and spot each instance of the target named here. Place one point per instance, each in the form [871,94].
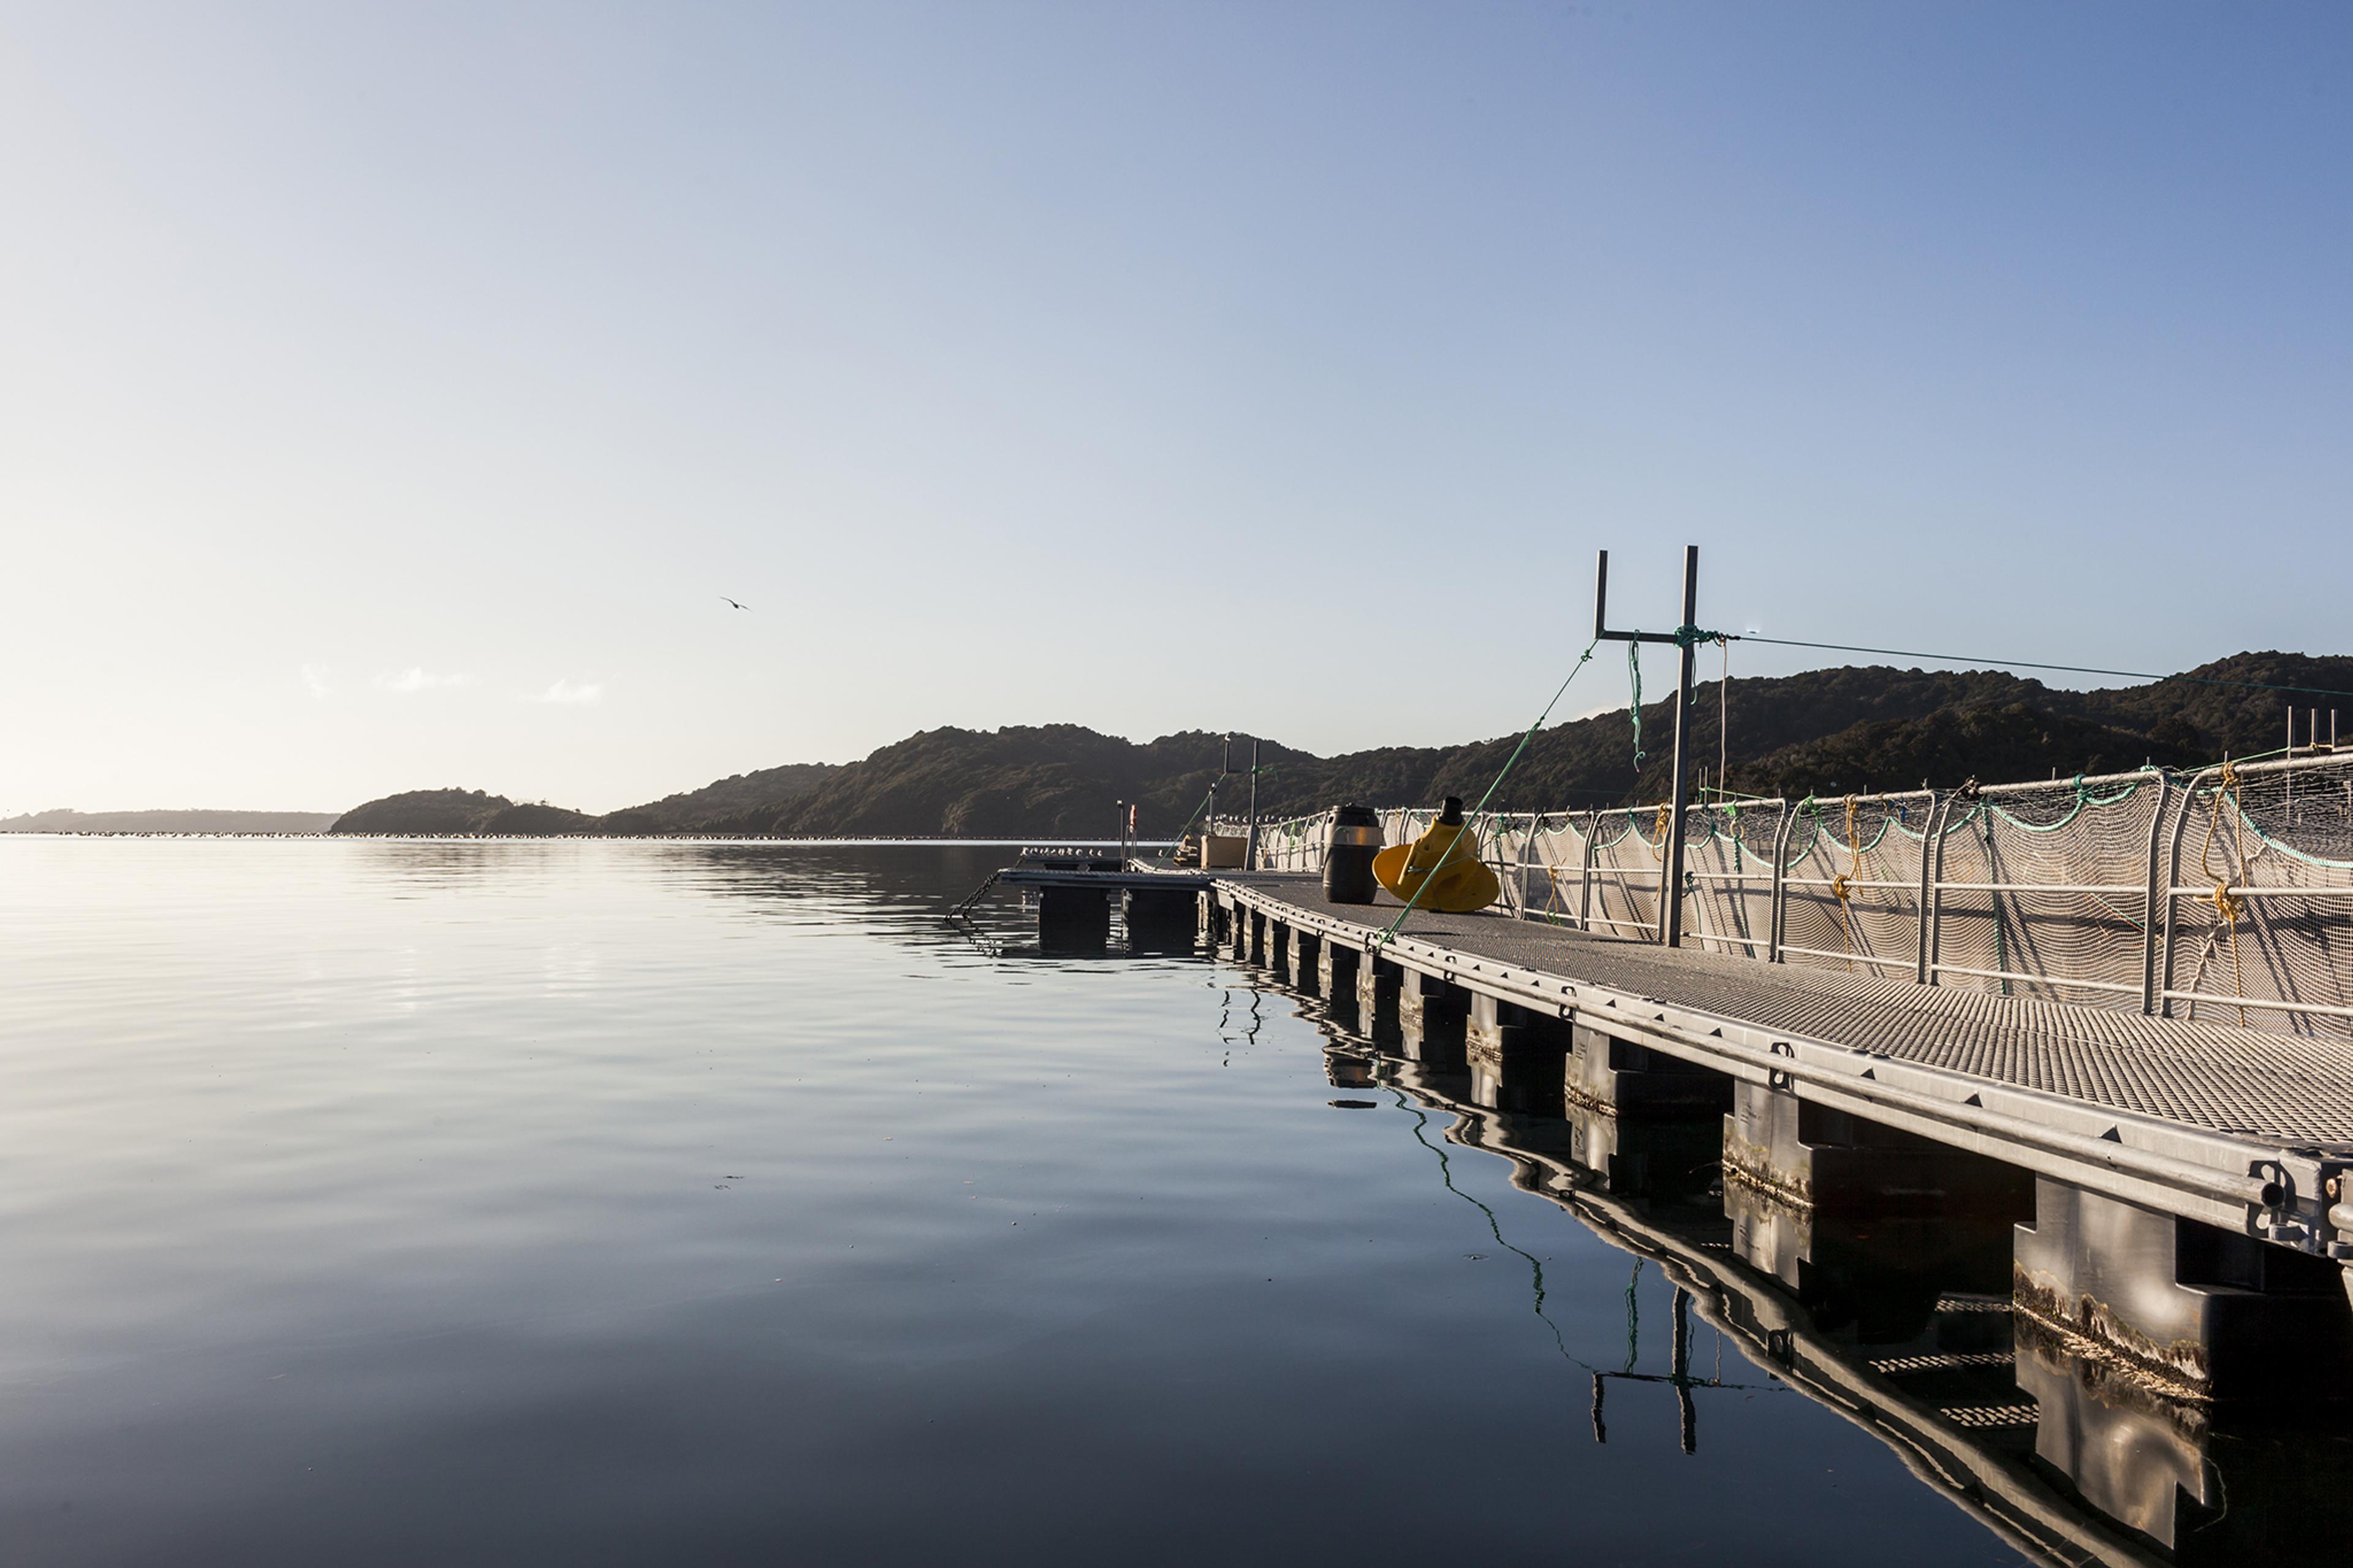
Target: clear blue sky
[387,395]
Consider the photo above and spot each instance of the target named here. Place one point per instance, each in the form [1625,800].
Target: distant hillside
[1826,732]
[1054,781]
[736,794]
[169,822]
[423,811]
[460,811]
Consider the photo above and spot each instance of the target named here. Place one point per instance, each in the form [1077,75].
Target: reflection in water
[606,1202]
[1679,1375]
[1902,1322]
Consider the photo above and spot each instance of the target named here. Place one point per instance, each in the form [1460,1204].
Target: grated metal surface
[2291,1088]
[1900,1365]
[1993,1415]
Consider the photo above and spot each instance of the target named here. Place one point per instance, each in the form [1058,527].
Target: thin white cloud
[315,679]
[416,679]
[573,694]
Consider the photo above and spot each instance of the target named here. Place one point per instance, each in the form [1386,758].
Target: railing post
[1527,844]
[1518,876]
[1780,889]
[1936,892]
[2173,880]
[2149,910]
[1932,854]
[1585,872]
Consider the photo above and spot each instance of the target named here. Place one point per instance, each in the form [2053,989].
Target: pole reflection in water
[1887,1300]
[1899,1320]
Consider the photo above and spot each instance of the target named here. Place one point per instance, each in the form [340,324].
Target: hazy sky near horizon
[388,394]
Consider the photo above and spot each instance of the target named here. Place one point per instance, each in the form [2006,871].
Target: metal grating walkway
[2293,1089]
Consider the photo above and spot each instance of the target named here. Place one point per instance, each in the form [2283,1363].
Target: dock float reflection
[1901,1280]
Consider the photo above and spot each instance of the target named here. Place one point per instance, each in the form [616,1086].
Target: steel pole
[1670,897]
[1250,855]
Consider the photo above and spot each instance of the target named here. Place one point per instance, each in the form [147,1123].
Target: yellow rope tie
[1840,890]
[1659,833]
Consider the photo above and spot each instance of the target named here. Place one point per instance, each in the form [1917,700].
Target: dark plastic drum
[1348,856]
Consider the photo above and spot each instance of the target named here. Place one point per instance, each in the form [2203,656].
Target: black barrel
[1348,856]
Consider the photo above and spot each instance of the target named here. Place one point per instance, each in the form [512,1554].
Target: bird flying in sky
[732,601]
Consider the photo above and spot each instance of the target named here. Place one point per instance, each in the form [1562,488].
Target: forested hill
[1824,731]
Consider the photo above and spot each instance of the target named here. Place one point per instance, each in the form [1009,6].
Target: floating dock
[2176,1183]
[2065,1463]
[2116,1011]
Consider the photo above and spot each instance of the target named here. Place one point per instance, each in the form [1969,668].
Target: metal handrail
[2244,890]
[2163,996]
[2260,1003]
[1851,883]
[2018,907]
[1851,957]
[2116,985]
[2044,887]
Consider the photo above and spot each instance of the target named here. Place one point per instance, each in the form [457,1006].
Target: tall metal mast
[1671,875]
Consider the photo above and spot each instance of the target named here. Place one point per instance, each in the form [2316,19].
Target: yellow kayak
[1442,866]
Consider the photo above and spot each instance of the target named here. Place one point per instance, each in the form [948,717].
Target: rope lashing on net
[1685,637]
[1413,903]
[1840,890]
[2227,904]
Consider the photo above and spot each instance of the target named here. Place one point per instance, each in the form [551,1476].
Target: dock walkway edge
[2281,1189]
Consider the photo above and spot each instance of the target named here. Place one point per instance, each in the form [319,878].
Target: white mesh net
[1850,886]
[2033,890]
[2261,862]
[2042,890]
[1728,851]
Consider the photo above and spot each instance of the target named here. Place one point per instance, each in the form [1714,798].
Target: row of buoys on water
[1439,871]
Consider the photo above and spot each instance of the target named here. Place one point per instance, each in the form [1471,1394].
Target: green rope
[2084,797]
[1535,1269]
[1634,708]
[1162,860]
[1625,833]
[1509,762]
[2281,845]
[1957,823]
[2026,664]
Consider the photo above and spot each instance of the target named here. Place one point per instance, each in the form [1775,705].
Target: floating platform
[2177,1187]
[1107,881]
[2208,1120]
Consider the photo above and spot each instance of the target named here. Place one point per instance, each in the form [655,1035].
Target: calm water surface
[581,1203]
